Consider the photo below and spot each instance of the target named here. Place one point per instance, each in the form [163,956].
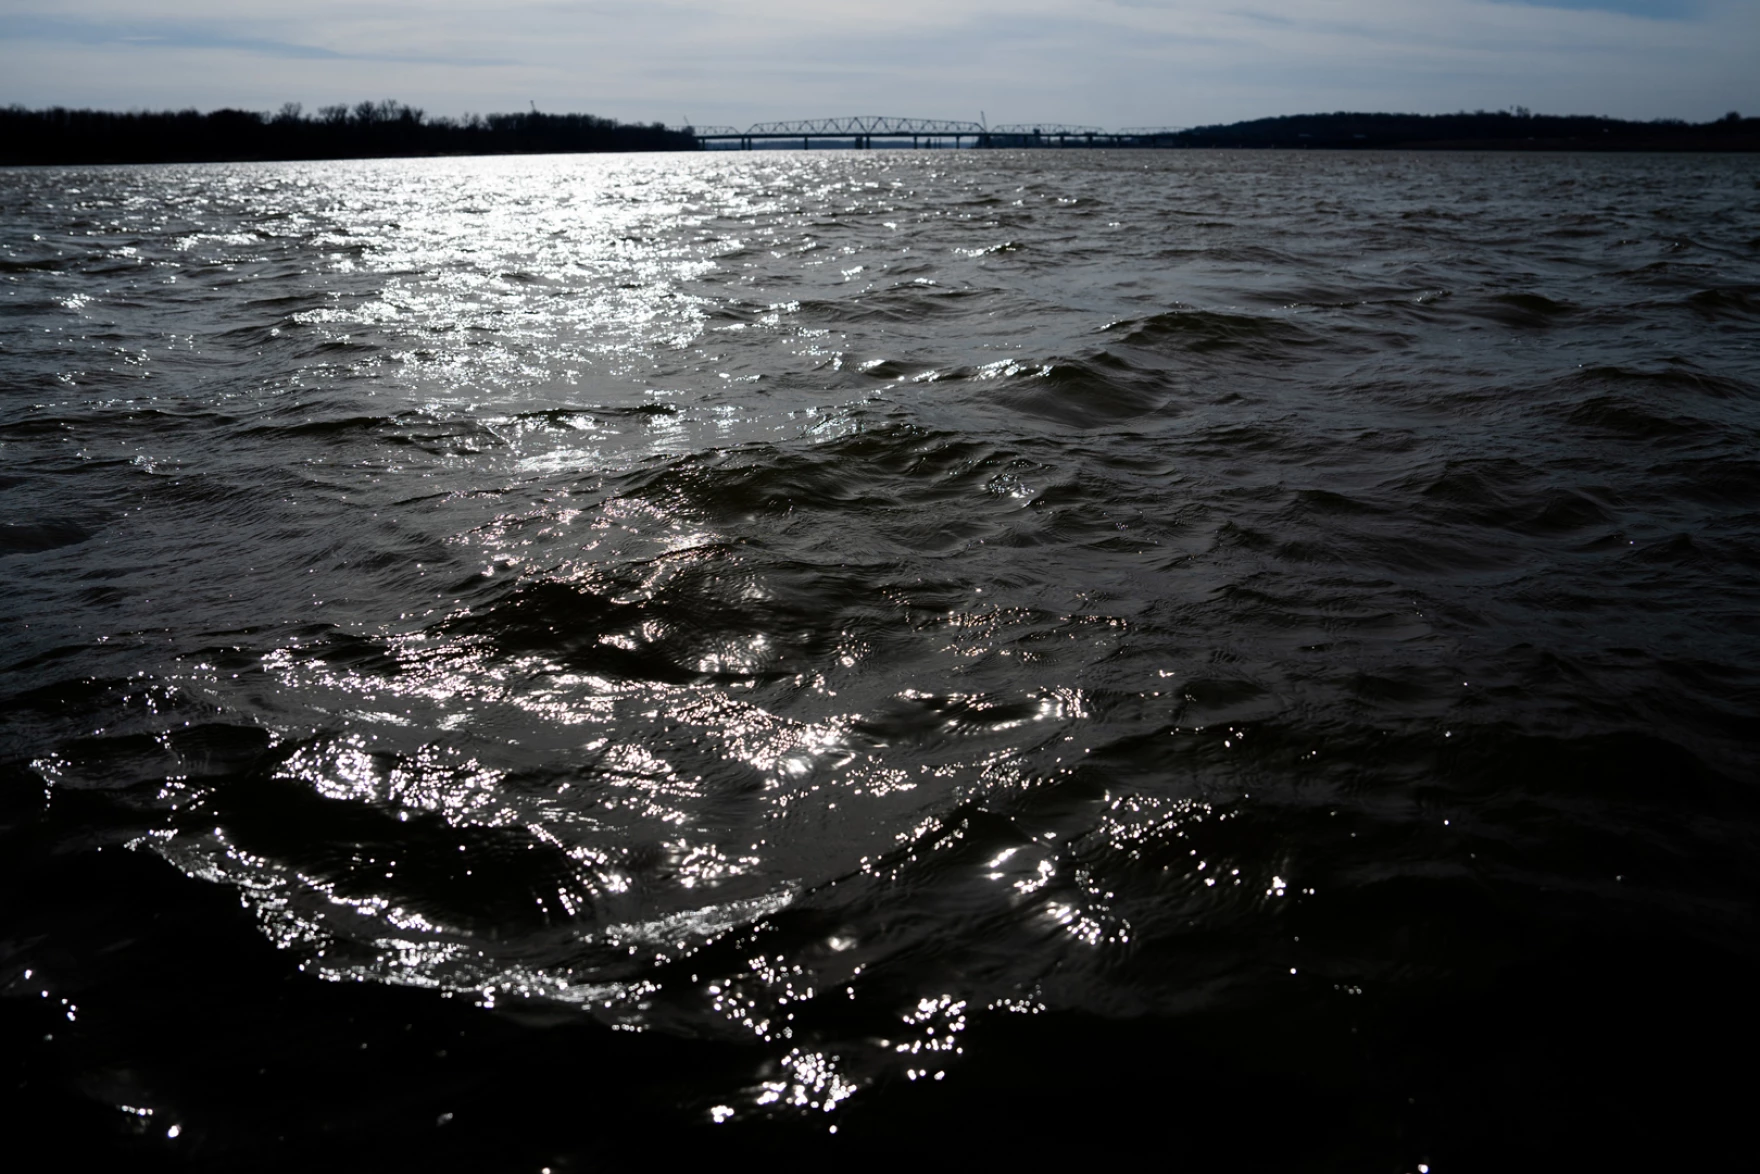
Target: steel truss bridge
[860,132]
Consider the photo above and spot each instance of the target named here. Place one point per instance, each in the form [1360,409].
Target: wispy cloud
[160,34]
[1111,63]
[1650,9]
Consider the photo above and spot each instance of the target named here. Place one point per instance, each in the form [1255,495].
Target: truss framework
[862,124]
[1045,129]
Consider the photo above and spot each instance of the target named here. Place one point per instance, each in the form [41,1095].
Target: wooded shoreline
[390,129]
[364,131]
[1500,130]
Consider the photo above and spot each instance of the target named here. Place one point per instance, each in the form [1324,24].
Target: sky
[1109,63]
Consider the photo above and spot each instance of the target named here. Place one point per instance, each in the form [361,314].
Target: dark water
[579,662]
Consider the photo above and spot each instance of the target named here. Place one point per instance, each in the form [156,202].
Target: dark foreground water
[959,658]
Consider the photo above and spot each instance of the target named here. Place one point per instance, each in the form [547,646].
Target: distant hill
[1499,130]
[366,130]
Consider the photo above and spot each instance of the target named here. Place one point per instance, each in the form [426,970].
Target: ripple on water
[882,631]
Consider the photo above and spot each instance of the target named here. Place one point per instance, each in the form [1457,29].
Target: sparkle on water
[678,589]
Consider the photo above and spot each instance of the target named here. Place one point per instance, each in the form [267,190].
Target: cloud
[1653,9]
[1115,62]
[147,35]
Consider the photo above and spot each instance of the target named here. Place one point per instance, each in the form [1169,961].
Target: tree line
[390,128]
[1514,129]
[365,130]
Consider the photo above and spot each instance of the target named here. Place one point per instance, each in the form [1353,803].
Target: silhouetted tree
[1519,128]
[368,129]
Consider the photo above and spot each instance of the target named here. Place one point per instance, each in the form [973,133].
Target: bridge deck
[985,139]
[861,131]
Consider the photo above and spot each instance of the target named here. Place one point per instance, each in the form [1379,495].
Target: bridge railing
[862,128]
[1046,130]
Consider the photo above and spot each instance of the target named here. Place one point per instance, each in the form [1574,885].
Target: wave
[1004,606]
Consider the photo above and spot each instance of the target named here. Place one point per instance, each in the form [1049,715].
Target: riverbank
[369,130]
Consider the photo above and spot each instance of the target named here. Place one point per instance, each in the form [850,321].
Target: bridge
[860,131]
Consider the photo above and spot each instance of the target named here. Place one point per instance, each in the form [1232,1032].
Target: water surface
[1250,650]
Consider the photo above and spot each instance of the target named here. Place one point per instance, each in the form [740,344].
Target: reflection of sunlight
[813,1082]
[348,774]
[603,740]
[481,249]
[935,1024]
[698,925]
